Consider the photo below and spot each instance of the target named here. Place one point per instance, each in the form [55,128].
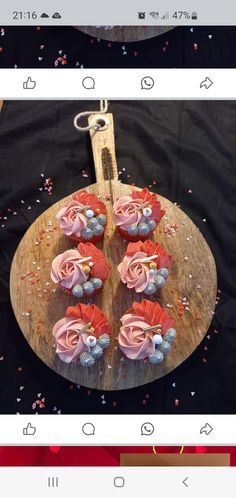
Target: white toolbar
[118,481]
[102,430]
[92,84]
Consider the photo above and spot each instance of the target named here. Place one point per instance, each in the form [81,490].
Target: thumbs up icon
[29,84]
[29,430]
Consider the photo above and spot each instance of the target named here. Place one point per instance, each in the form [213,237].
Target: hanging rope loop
[99,124]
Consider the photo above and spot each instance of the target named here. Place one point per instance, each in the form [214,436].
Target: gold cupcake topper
[88,327]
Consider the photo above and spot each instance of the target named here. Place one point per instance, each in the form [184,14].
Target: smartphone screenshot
[117,247]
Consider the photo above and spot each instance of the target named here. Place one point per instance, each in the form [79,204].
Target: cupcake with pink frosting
[146,332]
[84,218]
[82,335]
[145,267]
[81,271]
[137,215]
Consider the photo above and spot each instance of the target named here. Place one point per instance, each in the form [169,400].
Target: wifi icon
[154,15]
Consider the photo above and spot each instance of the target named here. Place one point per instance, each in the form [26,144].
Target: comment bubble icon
[88,429]
[88,83]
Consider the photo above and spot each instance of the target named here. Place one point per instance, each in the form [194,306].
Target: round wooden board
[38,304]
[125,33]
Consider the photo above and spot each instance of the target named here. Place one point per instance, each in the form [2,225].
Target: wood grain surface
[125,33]
[38,304]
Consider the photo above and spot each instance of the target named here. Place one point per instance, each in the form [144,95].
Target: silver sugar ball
[104,341]
[133,230]
[150,289]
[159,281]
[96,282]
[77,290]
[87,233]
[170,335]
[98,230]
[165,347]
[156,357]
[102,219]
[163,272]
[88,288]
[92,222]
[151,224]
[143,228]
[97,351]
[86,360]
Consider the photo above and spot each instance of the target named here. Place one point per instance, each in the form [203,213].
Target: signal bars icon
[156,15]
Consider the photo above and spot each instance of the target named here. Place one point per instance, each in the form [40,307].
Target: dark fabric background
[181,146]
[40,47]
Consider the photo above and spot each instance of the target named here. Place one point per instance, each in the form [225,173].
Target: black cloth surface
[188,149]
[65,47]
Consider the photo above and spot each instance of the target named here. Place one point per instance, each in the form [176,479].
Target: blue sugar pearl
[170,335]
[151,224]
[143,229]
[96,282]
[165,347]
[98,230]
[159,281]
[133,230]
[87,234]
[102,219]
[88,288]
[156,357]
[86,359]
[77,291]
[163,272]
[150,289]
[92,222]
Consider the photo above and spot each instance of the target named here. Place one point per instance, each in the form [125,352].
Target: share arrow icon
[206,429]
[206,83]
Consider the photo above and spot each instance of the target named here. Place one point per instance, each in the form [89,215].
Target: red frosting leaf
[84,197]
[152,198]
[91,313]
[100,268]
[153,314]
[150,248]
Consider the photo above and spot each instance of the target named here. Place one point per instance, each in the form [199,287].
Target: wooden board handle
[103,145]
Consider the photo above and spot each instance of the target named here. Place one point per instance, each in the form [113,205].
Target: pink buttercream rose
[72,219]
[133,340]
[68,341]
[126,212]
[134,271]
[66,269]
